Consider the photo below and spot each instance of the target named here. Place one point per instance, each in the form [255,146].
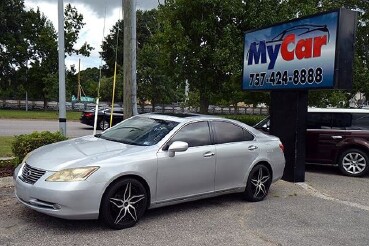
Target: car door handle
[252,147]
[337,137]
[209,154]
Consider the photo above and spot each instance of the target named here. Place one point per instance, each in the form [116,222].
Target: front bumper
[67,200]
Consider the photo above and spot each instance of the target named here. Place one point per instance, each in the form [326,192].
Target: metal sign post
[62,108]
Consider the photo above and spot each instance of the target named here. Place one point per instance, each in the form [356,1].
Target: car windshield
[141,131]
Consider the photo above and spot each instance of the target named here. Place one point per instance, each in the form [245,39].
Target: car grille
[30,174]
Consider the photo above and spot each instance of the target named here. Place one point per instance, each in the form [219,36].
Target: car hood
[79,152]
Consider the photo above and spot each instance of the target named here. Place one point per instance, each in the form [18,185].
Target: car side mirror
[177,146]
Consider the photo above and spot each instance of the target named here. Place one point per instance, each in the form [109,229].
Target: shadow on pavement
[323,169]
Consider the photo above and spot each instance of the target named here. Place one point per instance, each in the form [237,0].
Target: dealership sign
[307,53]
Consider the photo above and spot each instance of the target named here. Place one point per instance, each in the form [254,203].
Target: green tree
[89,81]
[73,24]
[146,27]
[200,40]
[156,82]
[204,40]
[113,48]
[28,47]
[106,89]
[42,56]
[152,74]
[12,45]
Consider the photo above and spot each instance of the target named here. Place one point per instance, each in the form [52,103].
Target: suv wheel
[354,162]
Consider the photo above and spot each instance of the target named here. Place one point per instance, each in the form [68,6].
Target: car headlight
[73,174]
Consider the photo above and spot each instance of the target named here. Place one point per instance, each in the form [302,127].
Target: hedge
[25,143]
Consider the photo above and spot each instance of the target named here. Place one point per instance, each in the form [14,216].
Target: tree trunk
[236,109]
[142,105]
[204,103]
[153,104]
[45,102]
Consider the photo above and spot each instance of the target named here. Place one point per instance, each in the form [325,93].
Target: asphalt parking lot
[327,209]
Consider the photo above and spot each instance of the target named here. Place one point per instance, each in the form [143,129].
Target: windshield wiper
[120,141]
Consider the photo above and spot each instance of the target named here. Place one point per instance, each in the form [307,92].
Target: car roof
[181,117]
[338,110]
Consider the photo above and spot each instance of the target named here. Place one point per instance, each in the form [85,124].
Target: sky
[93,12]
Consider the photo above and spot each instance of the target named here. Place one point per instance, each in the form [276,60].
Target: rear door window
[341,121]
[360,122]
[226,132]
[319,120]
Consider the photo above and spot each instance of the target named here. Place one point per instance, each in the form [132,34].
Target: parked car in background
[103,117]
[148,161]
[337,137]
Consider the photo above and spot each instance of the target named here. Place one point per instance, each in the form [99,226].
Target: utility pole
[62,109]
[129,59]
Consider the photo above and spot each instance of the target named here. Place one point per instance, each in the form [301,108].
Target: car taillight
[87,114]
[281,146]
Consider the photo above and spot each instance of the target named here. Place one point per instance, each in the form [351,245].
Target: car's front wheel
[258,183]
[123,204]
[354,162]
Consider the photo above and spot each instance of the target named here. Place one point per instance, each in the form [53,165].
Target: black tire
[123,204]
[258,183]
[354,163]
[103,124]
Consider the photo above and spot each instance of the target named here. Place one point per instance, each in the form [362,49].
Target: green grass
[42,115]
[5,146]
[6,142]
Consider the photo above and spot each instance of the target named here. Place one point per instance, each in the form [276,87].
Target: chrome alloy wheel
[354,163]
[258,183]
[124,203]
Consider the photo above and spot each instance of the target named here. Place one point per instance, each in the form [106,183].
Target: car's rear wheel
[354,162]
[103,124]
[258,183]
[123,204]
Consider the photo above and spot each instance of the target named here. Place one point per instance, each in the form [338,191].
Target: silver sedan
[148,161]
